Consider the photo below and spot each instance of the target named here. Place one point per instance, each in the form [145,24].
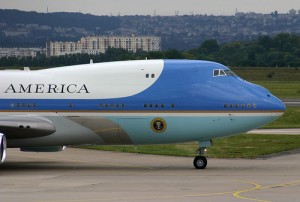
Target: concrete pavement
[78,175]
[286,131]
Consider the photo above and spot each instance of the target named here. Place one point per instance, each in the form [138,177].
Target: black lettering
[52,87]
[83,88]
[47,88]
[69,88]
[25,90]
[62,88]
[10,88]
[39,88]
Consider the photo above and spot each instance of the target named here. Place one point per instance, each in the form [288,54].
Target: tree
[209,46]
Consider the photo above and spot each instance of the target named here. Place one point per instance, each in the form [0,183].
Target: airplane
[129,103]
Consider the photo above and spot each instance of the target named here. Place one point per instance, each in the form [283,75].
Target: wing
[27,126]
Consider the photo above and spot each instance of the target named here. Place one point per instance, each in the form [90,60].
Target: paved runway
[292,102]
[285,131]
[78,175]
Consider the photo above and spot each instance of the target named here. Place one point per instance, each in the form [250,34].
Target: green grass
[282,89]
[268,73]
[186,149]
[290,119]
[282,82]
[239,146]
[252,146]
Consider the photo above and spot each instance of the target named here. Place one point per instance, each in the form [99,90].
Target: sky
[153,7]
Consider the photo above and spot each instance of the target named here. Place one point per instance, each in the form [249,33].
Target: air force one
[129,103]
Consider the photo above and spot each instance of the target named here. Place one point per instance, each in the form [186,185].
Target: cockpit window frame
[223,72]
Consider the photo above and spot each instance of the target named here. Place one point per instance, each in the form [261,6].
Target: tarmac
[292,102]
[284,131]
[79,175]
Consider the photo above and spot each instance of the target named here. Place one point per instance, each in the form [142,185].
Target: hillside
[32,29]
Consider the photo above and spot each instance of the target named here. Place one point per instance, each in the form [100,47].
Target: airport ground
[79,175]
[292,102]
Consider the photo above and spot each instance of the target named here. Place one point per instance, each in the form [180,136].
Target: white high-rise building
[99,44]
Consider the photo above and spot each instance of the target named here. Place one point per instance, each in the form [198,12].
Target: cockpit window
[216,72]
[223,72]
[228,72]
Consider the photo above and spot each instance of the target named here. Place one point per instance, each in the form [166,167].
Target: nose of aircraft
[268,101]
[271,103]
[265,101]
[277,106]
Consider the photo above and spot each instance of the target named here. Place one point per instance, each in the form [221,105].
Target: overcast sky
[150,7]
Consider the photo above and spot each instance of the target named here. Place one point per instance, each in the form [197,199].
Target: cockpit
[223,72]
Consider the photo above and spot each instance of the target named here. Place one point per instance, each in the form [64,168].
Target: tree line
[282,50]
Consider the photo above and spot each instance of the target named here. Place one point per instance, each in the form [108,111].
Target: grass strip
[239,146]
[290,119]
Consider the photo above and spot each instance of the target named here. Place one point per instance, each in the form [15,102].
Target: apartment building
[99,44]
[20,52]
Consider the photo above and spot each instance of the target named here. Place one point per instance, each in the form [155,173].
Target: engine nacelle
[2,147]
[43,149]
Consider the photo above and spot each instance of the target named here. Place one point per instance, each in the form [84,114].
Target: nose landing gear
[200,161]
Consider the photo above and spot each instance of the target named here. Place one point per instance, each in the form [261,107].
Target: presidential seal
[158,125]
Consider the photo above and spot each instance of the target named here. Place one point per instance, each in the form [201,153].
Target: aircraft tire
[2,147]
[200,162]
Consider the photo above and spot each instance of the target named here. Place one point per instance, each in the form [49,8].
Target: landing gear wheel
[200,162]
